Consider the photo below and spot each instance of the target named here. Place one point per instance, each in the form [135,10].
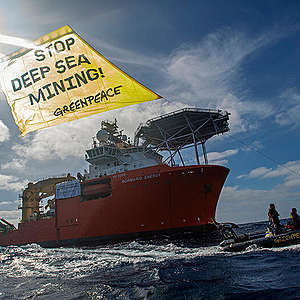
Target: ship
[138,188]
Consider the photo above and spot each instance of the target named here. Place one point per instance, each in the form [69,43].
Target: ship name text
[138,178]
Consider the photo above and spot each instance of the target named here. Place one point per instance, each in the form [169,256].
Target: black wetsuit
[274,219]
[274,216]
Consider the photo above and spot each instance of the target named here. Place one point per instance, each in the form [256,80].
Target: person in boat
[274,219]
[294,221]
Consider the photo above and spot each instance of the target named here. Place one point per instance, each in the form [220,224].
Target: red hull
[130,204]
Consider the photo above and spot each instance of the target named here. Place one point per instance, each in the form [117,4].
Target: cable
[265,156]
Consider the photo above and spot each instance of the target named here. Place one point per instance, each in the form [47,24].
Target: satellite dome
[102,135]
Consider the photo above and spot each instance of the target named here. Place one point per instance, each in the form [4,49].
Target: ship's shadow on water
[149,270]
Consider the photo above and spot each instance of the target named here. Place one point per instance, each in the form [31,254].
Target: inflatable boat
[233,242]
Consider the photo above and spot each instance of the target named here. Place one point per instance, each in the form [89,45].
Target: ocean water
[150,270]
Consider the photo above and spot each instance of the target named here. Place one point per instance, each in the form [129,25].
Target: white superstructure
[113,154]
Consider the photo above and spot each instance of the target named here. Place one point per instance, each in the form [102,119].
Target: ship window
[98,151]
[108,165]
[101,150]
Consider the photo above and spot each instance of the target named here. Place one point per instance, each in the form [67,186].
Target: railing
[183,110]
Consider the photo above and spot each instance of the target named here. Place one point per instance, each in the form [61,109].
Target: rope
[265,156]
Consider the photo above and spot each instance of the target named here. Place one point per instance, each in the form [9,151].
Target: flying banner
[64,79]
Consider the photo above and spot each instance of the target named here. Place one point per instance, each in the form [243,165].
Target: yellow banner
[64,79]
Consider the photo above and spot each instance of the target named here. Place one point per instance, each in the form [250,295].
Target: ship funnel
[102,135]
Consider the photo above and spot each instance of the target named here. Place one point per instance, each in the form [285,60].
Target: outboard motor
[229,235]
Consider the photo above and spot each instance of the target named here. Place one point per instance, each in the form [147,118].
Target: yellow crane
[35,192]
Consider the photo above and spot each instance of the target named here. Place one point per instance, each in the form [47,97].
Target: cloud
[289,115]
[256,173]
[4,132]
[292,182]
[11,183]
[210,74]
[290,172]
[15,164]
[218,157]
[59,142]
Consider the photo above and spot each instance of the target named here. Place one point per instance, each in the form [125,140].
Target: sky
[238,56]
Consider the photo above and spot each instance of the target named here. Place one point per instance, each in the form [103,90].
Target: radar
[102,135]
